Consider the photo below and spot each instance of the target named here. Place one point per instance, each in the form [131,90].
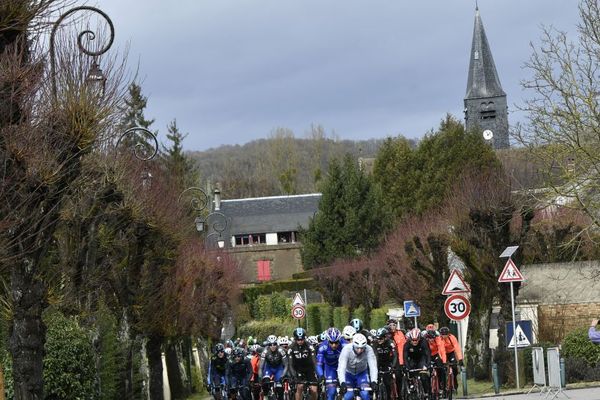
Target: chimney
[217,198]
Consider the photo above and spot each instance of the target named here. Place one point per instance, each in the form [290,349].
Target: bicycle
[305,389]
[412,387]
[435,383]
[357,391]
[382,388]
[219,392]
[451,383]
[322,389]
[271,393]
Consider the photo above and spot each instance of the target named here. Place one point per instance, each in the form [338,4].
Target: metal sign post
[511,274]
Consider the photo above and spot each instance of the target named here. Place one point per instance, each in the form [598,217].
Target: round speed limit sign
[457,307]
[298,312]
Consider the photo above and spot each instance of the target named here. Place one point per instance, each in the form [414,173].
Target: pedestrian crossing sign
[522,337]
[511,273]
[411,309]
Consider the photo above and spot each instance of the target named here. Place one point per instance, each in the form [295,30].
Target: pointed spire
[483,78]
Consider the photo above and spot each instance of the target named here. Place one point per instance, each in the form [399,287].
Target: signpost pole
[416,326]
[512,304]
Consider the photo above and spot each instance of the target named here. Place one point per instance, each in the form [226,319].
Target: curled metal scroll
[142,150]
[87,34]
[198,198]
[217,221]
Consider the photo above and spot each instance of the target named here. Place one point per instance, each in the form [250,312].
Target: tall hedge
[109,354]
[326,316]
[577,345]
[313,318]
[341,316]
[274,305]
[378,318]
[361,314]
[262,329]
[69,367]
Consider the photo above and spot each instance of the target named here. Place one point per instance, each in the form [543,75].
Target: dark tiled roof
[270,214]
[483,77]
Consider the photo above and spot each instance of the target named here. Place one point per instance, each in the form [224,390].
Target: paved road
[574,394]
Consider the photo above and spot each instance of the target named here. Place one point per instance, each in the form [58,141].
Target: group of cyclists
[387,363]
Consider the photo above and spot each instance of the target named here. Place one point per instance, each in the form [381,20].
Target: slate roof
[270,214]
[561,283]
[483,77]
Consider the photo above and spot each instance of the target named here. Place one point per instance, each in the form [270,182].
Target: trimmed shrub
[326,316]
[109,355]
[361,314]
[262,329]
[313,318]
[378,318]
[262,307]
[341,316]
[69,371]
[274,305]
[577,345]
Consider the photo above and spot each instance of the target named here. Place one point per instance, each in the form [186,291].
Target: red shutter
[263,270]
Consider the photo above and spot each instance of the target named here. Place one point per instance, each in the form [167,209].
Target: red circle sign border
[298,307]
[457,297]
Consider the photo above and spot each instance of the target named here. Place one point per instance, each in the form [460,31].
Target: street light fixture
[96,79]
[216,221]
[95,74]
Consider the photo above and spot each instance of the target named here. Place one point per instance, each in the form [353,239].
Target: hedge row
[262,329]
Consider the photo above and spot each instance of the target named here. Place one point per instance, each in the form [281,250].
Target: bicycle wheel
[450,384]
[382,392]
[435,387]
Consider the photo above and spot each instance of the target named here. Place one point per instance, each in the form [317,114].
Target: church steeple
[485,101]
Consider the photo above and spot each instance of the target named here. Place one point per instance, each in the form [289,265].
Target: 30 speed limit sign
[457,307]
[298,312]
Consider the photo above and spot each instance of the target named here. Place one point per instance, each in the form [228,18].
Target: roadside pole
[512,304]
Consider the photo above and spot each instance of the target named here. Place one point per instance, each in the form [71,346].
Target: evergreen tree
[132,115]
[415,181]
[351,218]
[180,166]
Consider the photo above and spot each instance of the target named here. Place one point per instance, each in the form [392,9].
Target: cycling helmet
[381,333]
[431,333]
[283,341]
[359,341]
[271,339]
[373,332]
[238,352]
[414,334]
[333,335]
[219,347]
[348,332]
[444,330]
[254,348]
[299,334]
[228,351]
[312,340]
[430,327]
[323,336]
[357,324]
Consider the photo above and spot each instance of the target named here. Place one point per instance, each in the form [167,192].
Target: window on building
[250,239]
[286,237]
[263,270]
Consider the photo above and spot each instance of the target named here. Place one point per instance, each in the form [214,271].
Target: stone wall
[284,260]
[557,320]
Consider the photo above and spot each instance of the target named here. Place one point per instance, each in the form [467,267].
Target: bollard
[463,377]
[563,373]
[495,378]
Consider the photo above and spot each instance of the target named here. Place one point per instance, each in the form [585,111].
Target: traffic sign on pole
[298,300]
[510,273]
[457,307]
[411,309]
[298,311]
[456,284]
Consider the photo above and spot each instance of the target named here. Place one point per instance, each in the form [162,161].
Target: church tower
[485,102]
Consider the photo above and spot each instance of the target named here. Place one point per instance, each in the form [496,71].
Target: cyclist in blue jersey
[273,365]
[327,361]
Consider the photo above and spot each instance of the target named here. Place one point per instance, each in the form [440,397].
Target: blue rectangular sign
[411,309]
[523,337]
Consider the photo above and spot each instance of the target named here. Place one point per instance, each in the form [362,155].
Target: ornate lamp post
[95,74]
[216,221]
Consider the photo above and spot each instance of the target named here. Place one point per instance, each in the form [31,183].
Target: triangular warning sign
[297,300]
[510,273]
[519,338]
[412,310]
[456,284]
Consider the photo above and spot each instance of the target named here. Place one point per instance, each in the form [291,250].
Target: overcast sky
[231,71]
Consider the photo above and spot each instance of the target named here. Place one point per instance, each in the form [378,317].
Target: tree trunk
[153,351]
[175,381]
[28,332]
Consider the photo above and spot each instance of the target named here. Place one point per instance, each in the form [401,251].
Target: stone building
[485,102]
[262,233]
[559,297]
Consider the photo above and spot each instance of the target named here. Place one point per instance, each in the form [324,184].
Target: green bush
[6,361]
[262,307]
[378,318]
[326,316]
[262,329]
[577,345]
[341,316]
[313,318]
[362,315]
[281,306]
[69,371]
[109,353]
[267,306]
